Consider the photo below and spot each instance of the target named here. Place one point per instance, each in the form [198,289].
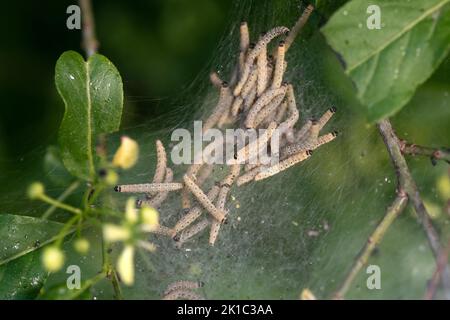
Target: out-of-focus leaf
[327,7]
[21,235]
[62,292]
[55,169]
[388,64]
[93,96]
[22,278]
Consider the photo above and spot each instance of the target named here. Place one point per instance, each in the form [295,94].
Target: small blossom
[53,258]
[130,211]
[150,218]
[130,231]
[125,265]
[127,154]
[112,233]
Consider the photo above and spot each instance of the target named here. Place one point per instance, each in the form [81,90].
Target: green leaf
[93,96]
[388,64]
[21,235]
[57,172]
[62,292]
[22,278]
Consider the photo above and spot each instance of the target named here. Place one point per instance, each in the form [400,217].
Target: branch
[434,153]
[440,266]
[392,212]
[90,43]
[406,183]
[406,190]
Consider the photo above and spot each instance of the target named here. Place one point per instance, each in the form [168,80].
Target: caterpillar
[293,111]
[298,26]
[283,165]
[279,66]
[148,187]
[225,99]
[250,83]
[262,101]
[161,230]
[251,150]
[262,69]
[195,212]
[236,106]
[203,199]
[248,176]
[157,200]
[262,43]
[313,133]
[183,294]
[268,110]
[215,79]
[326,117]
[191,232]
[183,285]
[300,146]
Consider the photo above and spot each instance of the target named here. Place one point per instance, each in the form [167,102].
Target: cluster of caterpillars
[256,97]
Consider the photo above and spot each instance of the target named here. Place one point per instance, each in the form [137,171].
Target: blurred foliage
[160,45]
[388,62]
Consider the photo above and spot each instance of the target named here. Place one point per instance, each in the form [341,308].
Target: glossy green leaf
[388,64]
[21,235]
[22,278]
[93,96]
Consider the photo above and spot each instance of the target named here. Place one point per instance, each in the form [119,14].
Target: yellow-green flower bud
[35,190]
[53,258]
[81,245]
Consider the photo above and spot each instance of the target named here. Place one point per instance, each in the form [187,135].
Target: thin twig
[434,153]
[90,43]
[440,266]
[392,212]
[407,183]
